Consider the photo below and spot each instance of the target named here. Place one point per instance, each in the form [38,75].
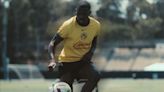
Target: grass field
[105,85]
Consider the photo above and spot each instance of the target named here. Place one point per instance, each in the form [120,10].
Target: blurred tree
[110,10]
[160,7]
[1,16]
[29,20]
[149,27]
[143,16]
[143,21]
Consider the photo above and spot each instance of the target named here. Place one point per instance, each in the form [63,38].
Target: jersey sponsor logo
[82,45]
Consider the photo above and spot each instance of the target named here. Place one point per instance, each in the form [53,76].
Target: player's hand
[51,65]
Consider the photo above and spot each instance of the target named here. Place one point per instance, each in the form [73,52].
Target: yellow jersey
[77,39]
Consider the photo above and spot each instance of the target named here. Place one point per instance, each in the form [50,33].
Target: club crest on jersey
[83,36]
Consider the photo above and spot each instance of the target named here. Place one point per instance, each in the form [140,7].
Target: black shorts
[77,70]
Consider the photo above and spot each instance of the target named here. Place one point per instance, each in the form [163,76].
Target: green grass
[105,85]
[24,86]
[130,85]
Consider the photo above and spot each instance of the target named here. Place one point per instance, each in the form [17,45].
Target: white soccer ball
[60,87]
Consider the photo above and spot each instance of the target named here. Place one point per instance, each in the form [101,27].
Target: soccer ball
[60,87]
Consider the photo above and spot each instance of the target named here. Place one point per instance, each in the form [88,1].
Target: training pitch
[105,85]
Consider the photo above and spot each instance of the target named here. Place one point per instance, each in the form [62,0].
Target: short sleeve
[63,30]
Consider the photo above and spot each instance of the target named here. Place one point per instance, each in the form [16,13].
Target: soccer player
[79,34]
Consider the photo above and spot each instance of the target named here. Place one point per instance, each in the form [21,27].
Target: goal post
[24,71]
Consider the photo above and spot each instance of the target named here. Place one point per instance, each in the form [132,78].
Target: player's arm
[89,54]
[51,49]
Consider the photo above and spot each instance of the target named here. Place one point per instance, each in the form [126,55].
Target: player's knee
[95,78]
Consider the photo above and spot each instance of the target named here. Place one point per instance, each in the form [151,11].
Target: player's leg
[66,75]
[89,72]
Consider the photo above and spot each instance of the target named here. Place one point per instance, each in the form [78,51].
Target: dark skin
[82,18]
